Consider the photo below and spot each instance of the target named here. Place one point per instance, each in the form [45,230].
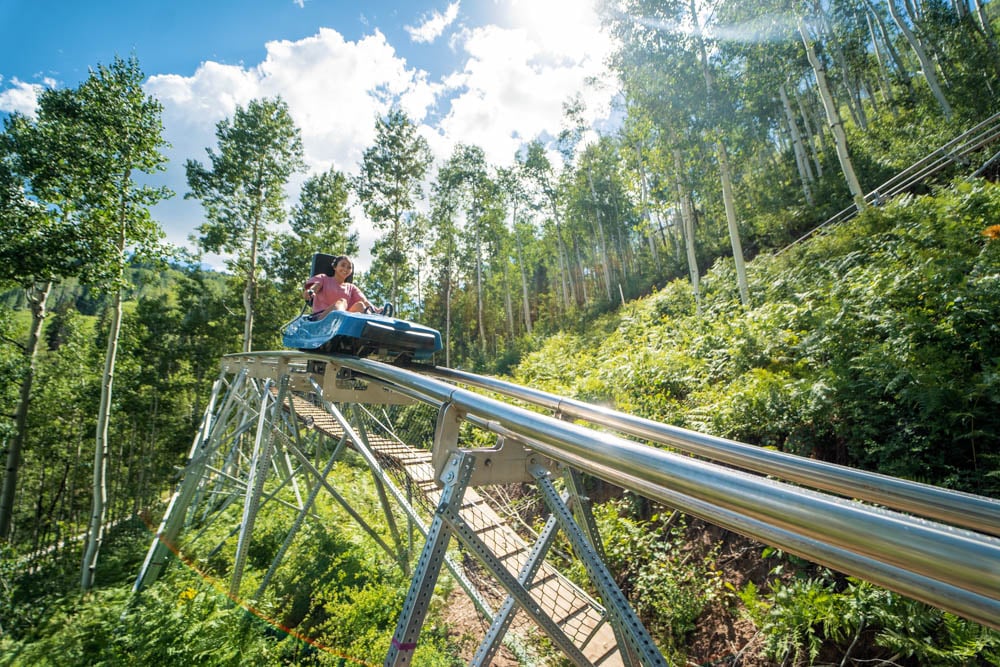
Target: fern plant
[806,619]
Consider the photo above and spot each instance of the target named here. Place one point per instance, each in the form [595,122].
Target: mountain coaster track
[959,151]
[276,422]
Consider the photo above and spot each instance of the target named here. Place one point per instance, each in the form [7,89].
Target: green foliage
[334,600]
[390,183]
[798,617]
[122,130]
[11,363]
[931,636]
[362,622]
[553,368]
[169,353]
[243,190]
[320,222]
[806,617]
[871,346]
[668,584]
[194,625]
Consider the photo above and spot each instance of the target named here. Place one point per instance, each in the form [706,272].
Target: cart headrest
[322,263]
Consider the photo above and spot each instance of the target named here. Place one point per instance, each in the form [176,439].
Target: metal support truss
[457,475]
[265,444]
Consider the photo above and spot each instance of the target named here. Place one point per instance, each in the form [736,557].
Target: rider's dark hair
[336,261]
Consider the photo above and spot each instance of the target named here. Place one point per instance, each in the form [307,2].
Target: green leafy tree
[25,225]
[444,253]
[242,190]
[390,183]
[72,208]
[320,222]
[543,187]
[513,190]
[55,495]
[469,182]
[122,131]
[37,200]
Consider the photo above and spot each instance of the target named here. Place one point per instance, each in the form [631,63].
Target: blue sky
[491,72]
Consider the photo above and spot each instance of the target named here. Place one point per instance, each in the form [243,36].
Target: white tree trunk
[524,283]
[38,296]
[95,530]
[833,117]
[583,279]
[987,29]
[727,186]
[734,230]
[851,92]
[644,198]
[606,265]
[507,301]
[687,216]
[98,511]
[564,284]
[447,321]
[801,159]
[565,277]
[250,290]
[887,42]
[814,141]
[984,23]
[479,292]
[930,73]
[883,70]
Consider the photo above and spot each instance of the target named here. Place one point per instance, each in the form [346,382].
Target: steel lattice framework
[277,422]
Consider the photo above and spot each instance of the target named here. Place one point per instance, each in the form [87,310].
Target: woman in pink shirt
[337,292]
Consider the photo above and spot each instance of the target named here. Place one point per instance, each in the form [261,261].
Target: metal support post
[173,518]
[306,508]
[259,466]
[585,519]
[617,605]
[382,495]
[360,520]
[505,615]
[519,592]
[455,478]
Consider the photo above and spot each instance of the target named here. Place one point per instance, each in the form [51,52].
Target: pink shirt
[331,291]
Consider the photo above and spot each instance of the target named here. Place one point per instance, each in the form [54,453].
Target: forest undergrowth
[873,345]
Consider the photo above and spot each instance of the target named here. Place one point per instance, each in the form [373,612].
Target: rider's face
[344,269]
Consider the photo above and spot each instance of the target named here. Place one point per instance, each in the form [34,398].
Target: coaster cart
[360,334]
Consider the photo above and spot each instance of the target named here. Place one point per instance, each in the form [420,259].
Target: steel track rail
[952,568]
[954,507]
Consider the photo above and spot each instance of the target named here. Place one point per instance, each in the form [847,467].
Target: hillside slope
[875,345]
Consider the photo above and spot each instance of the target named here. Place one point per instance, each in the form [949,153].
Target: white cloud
[22,97]
[434,25]
[565,29]
[514,84]
[334,89]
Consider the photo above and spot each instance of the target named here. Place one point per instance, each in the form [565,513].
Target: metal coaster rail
[944,565]
[931,544]
[932,502]
[958,151]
